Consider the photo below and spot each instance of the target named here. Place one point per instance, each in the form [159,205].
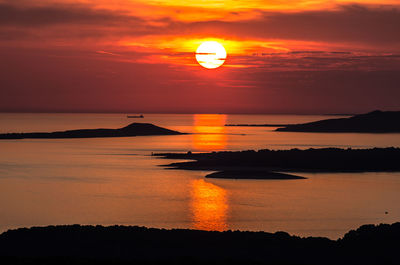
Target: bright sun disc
[211,54]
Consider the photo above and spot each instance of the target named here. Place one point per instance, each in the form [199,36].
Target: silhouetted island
[75,244]
[251,174]
[373,122]
[134,129]
[294,160]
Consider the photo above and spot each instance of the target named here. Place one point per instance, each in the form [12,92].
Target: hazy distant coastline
[257,125]
[372,122]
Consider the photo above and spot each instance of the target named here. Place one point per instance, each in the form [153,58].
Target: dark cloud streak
[39,16]
[353,23]
[350,23]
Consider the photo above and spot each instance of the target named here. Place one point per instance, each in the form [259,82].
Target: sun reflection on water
[210,132]
[209,206]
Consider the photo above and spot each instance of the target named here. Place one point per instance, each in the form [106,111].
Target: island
[251,174]
[77,244]
[133,129]
[372,122]
[293,160]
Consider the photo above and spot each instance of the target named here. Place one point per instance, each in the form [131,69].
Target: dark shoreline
[311,160]
[75,244]
[251,174]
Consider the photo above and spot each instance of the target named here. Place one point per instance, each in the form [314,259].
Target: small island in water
[251,174]
[133,129]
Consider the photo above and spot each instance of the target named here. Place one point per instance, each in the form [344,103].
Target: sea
[117,181]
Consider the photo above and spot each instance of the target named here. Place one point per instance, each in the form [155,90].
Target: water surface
[117,181]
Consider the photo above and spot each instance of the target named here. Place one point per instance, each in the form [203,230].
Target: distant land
[75,244]
[134,129]
[373,122]
[339,114]
[294,160]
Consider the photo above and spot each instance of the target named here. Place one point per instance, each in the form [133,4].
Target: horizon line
[190,113]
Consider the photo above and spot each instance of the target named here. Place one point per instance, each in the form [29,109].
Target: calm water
[116,181]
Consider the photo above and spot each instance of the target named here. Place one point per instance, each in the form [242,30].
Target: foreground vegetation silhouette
[77,244]
[133,129]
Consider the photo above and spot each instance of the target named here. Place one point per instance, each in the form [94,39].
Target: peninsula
[373,122]
[294,160]
[133,129]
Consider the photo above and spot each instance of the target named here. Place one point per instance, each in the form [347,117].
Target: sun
[211,54]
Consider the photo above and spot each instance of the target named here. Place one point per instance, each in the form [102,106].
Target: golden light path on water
[209,132]
[209,206]
[209,203]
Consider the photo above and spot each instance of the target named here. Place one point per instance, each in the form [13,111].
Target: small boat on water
[135,116]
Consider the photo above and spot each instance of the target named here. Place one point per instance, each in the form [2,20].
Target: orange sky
[126,55]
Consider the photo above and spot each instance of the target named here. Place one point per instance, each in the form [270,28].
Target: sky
[137,56]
